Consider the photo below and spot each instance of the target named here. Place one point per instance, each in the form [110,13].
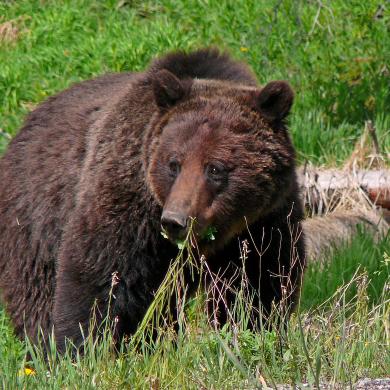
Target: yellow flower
[244,49]
[27,371]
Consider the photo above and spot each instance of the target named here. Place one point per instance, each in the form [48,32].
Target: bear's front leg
[82,284]
[87,259]
[82,307]
[91,254]
[76,304]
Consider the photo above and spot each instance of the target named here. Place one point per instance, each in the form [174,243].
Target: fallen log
[338,202]
[325,189]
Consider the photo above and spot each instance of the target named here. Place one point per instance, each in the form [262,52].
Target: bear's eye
[216,172]
[174,168]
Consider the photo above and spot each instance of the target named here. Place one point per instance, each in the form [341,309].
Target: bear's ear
[167,89]
[274,101]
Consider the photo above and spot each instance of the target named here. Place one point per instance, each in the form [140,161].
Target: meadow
[336,55]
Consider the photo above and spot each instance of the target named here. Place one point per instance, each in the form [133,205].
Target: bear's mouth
[192,236]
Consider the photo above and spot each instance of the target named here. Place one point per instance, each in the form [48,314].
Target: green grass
[322,279]
[342,337]
[335,54]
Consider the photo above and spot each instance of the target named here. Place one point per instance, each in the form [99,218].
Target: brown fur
[84,184]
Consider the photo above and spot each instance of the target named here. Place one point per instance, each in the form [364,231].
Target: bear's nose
[175,224]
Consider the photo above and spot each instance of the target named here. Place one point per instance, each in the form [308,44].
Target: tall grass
[362,255]
[337,337]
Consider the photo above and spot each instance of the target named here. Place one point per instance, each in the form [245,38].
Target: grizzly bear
[98,171]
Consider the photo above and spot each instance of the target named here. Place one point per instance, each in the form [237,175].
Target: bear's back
[38,175]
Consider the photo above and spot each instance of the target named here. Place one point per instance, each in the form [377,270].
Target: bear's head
[219,154]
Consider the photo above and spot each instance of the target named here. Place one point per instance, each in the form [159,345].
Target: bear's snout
[175,224]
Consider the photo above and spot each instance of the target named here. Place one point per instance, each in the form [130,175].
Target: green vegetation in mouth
[164,233]
[179,243]
[209,234]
